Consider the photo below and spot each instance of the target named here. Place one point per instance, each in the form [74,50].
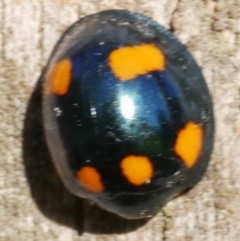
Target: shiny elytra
[127,113]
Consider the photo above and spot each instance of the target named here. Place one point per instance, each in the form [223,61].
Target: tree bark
[33,203]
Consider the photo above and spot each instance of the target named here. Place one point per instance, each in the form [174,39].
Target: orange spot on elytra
[90,179]
[189,143]
[129,62]
[137,169]
[60,77]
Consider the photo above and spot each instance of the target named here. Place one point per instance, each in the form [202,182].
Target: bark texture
[33,203]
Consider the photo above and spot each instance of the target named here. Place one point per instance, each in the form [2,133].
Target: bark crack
[172,29]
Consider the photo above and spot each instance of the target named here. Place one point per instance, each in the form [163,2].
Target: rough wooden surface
[33,203]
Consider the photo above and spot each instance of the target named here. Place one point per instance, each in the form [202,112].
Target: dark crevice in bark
[172,29]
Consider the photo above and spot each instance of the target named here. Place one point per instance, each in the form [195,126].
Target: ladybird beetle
[127,114]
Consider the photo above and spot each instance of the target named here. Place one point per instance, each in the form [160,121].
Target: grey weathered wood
[33,203]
